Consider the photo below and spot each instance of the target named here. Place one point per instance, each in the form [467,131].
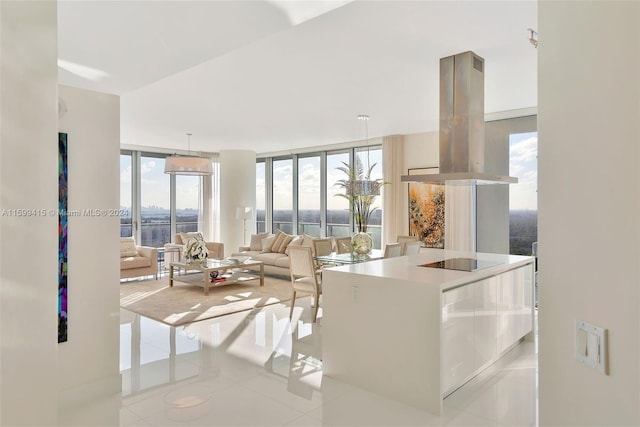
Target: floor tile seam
[159,394]
[471,390]
[131,414]
[482,417]
[477,412]
[281,402]
[434,420]
[319,418]
[313,406]
[292,422]
[134,399]
[451,411]
[353,390]
[147,419]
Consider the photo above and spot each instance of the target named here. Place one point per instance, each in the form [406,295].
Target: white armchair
[216,249]
[136,260]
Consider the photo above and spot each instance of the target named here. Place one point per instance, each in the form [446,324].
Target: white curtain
[211,200]
[392,193]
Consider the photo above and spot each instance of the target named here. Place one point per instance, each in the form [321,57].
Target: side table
[166,255]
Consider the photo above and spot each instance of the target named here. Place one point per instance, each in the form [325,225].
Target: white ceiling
[282,75]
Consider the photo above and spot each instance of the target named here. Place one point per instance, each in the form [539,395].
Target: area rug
[184,303]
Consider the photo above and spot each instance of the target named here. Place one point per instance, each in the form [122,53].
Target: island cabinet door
[457,337]
[486,322]
[515,299]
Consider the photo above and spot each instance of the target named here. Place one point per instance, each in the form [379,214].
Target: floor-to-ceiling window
[155,199]
[261,197]
[156,204]
[304,194]
[283,195]
[523,196]
[126,182]
[338,217]
[188,203]
[309,196]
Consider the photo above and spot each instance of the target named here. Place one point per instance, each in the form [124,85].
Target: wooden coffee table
[232,272]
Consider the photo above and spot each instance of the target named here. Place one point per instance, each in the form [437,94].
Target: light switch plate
[591,346]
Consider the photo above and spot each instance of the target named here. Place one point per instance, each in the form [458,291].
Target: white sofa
[275,259]
[136,260]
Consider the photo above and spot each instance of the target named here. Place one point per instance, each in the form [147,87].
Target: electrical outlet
[354,293]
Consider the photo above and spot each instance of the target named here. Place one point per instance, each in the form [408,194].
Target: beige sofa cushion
[267,243]
[127,263]
[269,258]
[283,262]
[128,247]
[256,241]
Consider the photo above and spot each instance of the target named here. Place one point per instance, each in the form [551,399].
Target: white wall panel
[89,362]
[589,205]
[28,244]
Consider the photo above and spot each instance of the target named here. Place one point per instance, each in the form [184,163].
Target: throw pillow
[186,236]
[256,241]
[285,243]
[297,241]
[280,238]
[267,243]
[127,247]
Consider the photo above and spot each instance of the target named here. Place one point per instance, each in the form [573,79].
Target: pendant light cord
[366,132]
[366,135]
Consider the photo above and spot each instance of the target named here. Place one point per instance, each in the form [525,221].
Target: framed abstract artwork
[62,237]
[426,210]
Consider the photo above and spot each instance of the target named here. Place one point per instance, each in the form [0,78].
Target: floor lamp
[244,213]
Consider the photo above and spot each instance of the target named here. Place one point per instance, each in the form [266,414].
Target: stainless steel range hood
[461,125]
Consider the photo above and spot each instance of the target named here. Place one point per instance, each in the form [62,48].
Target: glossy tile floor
[256,369]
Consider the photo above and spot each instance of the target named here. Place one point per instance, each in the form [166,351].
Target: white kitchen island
[416,334]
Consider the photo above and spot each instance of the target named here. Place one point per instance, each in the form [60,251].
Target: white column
[28,244]
[88,364]
[237,189]
[460,218]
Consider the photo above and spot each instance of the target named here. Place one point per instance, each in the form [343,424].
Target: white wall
[589,207]
[89,362]
[237,189]
[28,244]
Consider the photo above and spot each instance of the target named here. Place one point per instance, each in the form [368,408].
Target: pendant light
[187,165]
[366,186]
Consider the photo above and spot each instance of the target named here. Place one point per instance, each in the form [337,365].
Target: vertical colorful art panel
[426,210]
[62,237]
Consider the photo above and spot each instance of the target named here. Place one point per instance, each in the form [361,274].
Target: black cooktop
[461,264]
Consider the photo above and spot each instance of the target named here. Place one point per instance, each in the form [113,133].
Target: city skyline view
[523,164]
[154,182]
